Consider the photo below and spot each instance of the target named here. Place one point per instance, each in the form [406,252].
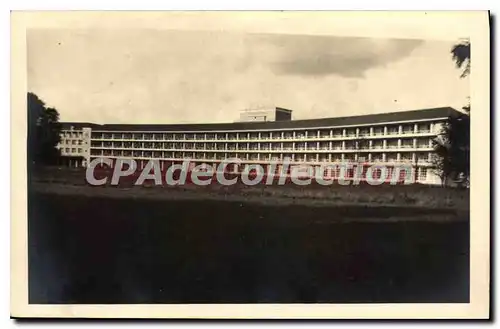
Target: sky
[176,76]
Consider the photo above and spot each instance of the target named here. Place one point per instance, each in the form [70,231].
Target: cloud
[346,57]
[145,76]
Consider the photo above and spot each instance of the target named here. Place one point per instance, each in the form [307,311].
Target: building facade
[387,139]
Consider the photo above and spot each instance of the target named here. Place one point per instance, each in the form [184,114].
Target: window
[79,150]
[424,128]
[377,131]
[351,132]
[364,132]
[337,133]
[408,129]
[391,130]
[377,157]
[391,157]
[73,150]
[349,157]
[407,143]
[422,174]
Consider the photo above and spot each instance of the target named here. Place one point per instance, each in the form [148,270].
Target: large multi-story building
[389,139]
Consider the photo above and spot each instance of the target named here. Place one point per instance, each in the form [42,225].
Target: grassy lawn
[94,249]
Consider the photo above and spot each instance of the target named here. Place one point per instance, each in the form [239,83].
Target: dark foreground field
[122,250]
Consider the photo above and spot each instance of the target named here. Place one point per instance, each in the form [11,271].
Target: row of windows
[72,134]
[409,143]
[71,142]
[72,150]
[376,156]
[421,172]
[315,134]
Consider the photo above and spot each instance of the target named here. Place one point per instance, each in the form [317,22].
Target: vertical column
[415,128]
[385,130]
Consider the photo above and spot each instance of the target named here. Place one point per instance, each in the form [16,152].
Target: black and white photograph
[252,159]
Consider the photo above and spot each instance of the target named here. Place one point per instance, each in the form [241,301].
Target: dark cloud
[347,57]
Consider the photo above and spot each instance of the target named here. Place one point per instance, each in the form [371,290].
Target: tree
[452,147]
[44,131]
[461,55]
